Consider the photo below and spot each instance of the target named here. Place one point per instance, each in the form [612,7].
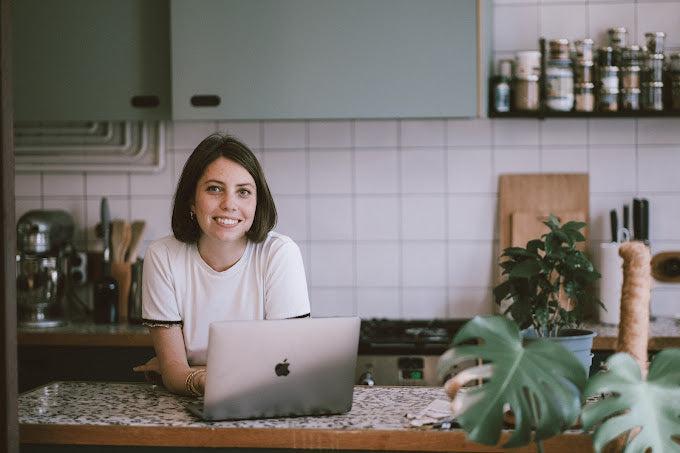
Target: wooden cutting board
[525,199]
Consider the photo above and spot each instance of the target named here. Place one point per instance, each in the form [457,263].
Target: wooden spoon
[138,227]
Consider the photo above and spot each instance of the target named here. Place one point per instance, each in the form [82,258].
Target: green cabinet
[287,59]
[77,60]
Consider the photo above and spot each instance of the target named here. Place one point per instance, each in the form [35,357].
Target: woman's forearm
[175,379]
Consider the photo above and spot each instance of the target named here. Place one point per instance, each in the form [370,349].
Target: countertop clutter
[91,413]
[664,333]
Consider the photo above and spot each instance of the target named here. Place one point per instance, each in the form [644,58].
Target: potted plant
[550,286]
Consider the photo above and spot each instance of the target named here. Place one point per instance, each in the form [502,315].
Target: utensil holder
[122,273]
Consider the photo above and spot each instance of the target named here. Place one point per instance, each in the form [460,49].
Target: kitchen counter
[97,413]
[664,333]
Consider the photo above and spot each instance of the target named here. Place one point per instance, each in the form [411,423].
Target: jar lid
[609,68]
[585,63]
[617,30]
[586,85]
[653,84]
[656,56]
[527,77]
[605,90]
[630,91]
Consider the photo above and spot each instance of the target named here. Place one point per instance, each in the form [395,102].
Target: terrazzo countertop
[664,333]
[96,413]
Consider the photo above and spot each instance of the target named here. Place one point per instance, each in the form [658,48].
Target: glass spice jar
[652,95]
[618,37]
[608,101]
[559,49]
[559,82]
[605,56]
[526,93]
[584,97]
[630,77]
[656,42]
[609,78]
[631,56]
[584,50]
[583,72]
[654,68]
[630,99]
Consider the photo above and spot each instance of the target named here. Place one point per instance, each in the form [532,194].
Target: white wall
[397,218]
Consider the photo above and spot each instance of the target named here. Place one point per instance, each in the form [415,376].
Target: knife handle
[636,219]
[626,217]
[614,224]
[644,219]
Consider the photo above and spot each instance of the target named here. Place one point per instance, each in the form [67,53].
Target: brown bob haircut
[209,150]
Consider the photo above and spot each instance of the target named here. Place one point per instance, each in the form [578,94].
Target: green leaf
[535,245]
[515,252]
[525,269]
[502,291]
[541,383]
[573,225]
[653,405]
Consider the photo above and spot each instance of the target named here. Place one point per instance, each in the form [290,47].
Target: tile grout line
[447,213]
[400,237]
[355,253]
[308,206]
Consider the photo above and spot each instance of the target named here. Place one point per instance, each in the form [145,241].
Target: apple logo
[281,369]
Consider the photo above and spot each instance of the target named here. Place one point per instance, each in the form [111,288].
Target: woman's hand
[151,370]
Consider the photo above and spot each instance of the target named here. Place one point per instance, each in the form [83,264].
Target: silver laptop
[279,368]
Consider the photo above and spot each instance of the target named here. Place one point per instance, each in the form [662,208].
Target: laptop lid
[280,368]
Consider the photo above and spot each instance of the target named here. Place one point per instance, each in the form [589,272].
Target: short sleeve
[285,283]
[159,302]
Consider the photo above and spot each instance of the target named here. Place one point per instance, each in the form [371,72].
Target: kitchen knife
[614,224]
[105,290]
[105,219]
[626,217]
[635,234]
[644,220]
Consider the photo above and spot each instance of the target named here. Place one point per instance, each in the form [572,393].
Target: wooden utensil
[121,235]
[138,227]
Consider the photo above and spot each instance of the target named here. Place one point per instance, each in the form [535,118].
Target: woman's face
[225,201]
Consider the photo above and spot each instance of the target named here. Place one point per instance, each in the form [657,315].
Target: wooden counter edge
[335,439]
[96,339]
[654,344]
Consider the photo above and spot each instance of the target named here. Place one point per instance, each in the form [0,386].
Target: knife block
[122,273]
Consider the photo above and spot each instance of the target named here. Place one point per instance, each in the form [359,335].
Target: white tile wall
[397,218]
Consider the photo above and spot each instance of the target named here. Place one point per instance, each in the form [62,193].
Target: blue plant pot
[578,341]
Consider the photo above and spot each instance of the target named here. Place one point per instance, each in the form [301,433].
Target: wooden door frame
[9,437]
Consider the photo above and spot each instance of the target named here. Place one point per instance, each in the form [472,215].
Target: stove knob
[366,379]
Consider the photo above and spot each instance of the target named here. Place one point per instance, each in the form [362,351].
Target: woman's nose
[228,202]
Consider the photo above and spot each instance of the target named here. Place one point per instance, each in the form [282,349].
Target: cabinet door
[91,59]
[275,59]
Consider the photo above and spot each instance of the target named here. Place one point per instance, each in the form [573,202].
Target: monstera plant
[541,383]
[648,410]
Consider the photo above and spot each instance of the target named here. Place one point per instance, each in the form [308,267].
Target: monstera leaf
[540,383]
[652,405]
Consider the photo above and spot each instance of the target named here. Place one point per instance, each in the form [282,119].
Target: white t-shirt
[268,282]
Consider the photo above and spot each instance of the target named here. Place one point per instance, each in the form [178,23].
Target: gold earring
[191,214]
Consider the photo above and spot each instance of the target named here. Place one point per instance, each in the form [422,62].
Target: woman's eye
[214,189]
[244,192]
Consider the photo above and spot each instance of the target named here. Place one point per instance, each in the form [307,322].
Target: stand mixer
[43,252]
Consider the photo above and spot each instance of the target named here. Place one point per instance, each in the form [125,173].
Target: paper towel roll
[611,269]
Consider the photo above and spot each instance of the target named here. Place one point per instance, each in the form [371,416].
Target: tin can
[559,81]
[605,56]
[653,71]
[525,93]
[528,63]
[676,94]
[630,99]
[609,78]
[656,41]
[608,101]
[583,72]
[631,56]
[559,49]
[618,37]
[583,50]
[675,63]
[652,96]
[584,97]
[630,77]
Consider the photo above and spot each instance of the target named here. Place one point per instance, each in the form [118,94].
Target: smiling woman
[223,262]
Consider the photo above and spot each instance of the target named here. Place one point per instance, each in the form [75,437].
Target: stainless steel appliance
[403,352]
[43,252]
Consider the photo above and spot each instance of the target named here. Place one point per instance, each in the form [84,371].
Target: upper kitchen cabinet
[79,60]
[287,59]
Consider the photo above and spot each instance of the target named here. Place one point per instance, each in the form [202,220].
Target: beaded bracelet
[190,384]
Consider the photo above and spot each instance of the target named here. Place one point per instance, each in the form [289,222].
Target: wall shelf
[551,114]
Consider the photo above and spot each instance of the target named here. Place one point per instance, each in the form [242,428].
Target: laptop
[279,368]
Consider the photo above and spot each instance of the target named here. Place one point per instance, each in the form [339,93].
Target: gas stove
[403,352]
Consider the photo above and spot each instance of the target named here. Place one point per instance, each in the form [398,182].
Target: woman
[222,262]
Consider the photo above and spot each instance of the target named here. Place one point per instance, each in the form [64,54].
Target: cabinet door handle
[205,100]
[145,101]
